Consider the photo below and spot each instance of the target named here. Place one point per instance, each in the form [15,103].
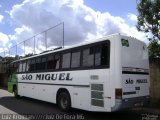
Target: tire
[15,92]
[64,101]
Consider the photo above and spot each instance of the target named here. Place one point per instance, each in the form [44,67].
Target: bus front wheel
[64,101]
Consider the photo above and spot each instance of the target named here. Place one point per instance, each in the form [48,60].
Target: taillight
[118,93]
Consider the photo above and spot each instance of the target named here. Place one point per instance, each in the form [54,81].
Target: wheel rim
[64,102]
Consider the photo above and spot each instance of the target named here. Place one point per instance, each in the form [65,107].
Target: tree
[149,17]
[149,22]
[29,54]
[154,50]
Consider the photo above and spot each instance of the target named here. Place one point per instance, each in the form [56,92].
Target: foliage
[29,54]
[149,22]
[149,17]
[154,50]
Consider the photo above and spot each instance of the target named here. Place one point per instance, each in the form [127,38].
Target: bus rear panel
[134,88]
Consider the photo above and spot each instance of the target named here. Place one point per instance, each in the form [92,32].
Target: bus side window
[75,60]
[43,63]
[17,67]
[57,61]
[32,65]
[11,68]
[24,66]
[50,62]
[98,55]
[101,55]
[28,65]
[66,60]
[104,55]
[88,57]
[20,66]
[38,63]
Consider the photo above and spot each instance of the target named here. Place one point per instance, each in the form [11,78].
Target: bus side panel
[99,90]
[81,98]
[46,90]
[79,87]
[39,91]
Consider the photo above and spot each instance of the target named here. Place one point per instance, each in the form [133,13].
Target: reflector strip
[131,70]
[129,93]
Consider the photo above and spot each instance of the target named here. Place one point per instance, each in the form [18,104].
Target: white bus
[105,75]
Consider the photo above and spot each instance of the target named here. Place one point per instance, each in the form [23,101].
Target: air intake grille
[97,87]
[97,95]
[99,103]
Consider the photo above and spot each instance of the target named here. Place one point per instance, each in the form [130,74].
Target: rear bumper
[130,103]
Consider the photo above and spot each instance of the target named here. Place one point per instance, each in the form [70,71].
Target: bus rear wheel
[64,101]
[15,92]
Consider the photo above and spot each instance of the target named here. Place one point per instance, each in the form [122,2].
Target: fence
[46,40]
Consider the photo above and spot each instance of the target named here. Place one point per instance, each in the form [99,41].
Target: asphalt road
[27,108]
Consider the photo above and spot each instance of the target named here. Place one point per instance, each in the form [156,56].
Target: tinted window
[105,54]
[17,66]
[11,68]
[75,60]
[20,67]
[38,63]
[14,67]
[57,61]
[28,65]
[53,61]
[66,60]
[43,63]
[24,66]
[88,57]
[32,65]
[50,62]
[98,55]
[102,55]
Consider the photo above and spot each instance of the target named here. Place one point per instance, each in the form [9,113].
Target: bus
[104,75]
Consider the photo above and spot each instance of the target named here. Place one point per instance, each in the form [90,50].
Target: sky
[84,20]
